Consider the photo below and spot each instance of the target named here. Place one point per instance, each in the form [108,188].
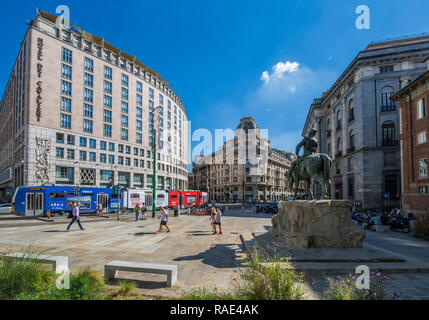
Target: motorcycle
[401,223]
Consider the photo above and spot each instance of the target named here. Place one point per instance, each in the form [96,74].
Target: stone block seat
[59,263]
[111,269]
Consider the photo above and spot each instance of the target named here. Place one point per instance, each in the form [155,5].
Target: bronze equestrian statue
[311,165]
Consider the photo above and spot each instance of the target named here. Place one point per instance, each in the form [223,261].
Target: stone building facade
[258,179]
[78,111]
[358,124]
[414,114]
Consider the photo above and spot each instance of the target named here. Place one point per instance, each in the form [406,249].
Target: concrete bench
[59,263]
[111,269]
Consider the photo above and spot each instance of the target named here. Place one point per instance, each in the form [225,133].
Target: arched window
[339,119]
[389,137]
[329,150]
[339,147]
[351,111]
[352,141]
[386,104]
[328,127]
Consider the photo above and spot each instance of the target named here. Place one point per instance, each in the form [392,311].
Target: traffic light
[115,189]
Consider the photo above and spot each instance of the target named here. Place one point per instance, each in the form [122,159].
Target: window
[60,153]
[65,104]
[70,154]
[88,65]
[108,101]
[111,147]
[339,147]
[103,145]
[127,149]
[169,104]
[124,134]
[64,175]
[139,125]
[151,93]
[390,185]
[111,159]
[92,144]
[66,88]
[66,71]
[136,163]
[139,138]
[136,151]
[124,80]
[139,99]
[338,119]
[87,110]
[386,103]
[120,160]
[107,87]
[88,80]
[124,106]
[124,121]
[139,112]
[421,112]
[351,187]
[92,157]
[423,168]
[139,87]
[82,142]
[88,95]
[67,55]
[388,129]
[82,155]
[107,130]
[60,137]
[120,148]
[102,157]
[151,105]
[161,99]
[124,93]
[87,125]
[421,137]
[352,141]
[386,69]
[107,116]
[65,121]
[351,111]
[128,161]
[108,73]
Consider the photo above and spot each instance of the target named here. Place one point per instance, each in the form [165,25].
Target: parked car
[6,208]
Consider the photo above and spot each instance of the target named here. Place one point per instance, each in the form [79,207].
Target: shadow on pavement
[218,256]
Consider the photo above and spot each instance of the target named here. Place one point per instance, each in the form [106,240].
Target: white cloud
[279,70]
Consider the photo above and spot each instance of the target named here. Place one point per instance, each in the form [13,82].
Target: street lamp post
[154,141]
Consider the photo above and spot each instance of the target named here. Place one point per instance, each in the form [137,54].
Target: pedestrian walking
[213,220]
[75,217]
[218,220]
[143,211]
[100,209]
[137,211]
[164,220]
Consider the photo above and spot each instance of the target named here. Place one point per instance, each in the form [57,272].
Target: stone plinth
[316,224]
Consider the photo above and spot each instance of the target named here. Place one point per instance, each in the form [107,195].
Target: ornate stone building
[358,124]
[78,111]
[226,179]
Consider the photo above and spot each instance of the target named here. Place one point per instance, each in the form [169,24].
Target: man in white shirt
[218,220]
[164,220]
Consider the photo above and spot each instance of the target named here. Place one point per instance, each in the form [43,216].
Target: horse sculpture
[316,166]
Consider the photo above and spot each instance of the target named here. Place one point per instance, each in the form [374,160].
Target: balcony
[390,143]
[388,108]
[351,149]
[339,154]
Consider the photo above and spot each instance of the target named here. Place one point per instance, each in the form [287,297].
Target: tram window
[160,196]
[173,196]
[57,195]
[115,196]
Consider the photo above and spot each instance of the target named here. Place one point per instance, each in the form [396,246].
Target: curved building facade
[78,111]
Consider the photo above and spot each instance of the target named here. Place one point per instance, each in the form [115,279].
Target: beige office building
[227,180]
[78,111]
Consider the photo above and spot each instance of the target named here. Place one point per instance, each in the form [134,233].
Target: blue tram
[38,200]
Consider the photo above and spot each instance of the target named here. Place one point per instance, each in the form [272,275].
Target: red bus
[190,198]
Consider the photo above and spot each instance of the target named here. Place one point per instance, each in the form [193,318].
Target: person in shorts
[137,211]
[164,220]
[218,220]
[213,220]
[143,211]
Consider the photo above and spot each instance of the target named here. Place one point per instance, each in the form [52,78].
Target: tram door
[34,204]
[148,202]
[104,200]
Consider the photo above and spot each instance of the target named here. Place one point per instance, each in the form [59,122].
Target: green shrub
[23,276]
[127,289]
[206,294]
[344,288]
[85,284]
[269,281]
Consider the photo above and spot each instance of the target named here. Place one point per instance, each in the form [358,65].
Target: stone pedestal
[316,224]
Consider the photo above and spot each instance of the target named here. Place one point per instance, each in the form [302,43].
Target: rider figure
[310,147]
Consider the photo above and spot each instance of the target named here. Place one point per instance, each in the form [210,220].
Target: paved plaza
[203,259]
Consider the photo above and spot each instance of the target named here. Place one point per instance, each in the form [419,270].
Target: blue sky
[214,53]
